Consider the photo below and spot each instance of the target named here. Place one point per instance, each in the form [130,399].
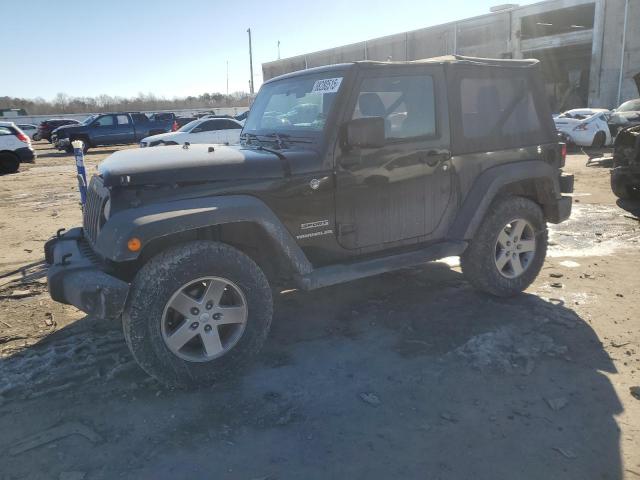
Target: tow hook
[65,259]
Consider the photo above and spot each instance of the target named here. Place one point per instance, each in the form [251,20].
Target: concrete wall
[498,35]
[604,82]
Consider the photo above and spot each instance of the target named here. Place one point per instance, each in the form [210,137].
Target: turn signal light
[134,244]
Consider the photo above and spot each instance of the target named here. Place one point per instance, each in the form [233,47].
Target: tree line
[63,103]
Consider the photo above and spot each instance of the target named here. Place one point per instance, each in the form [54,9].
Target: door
[231,132]
[401,190]
[124,130]
[104,130]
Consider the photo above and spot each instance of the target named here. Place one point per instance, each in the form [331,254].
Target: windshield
[88,120]
[630,106]
[299,104]
[188,126]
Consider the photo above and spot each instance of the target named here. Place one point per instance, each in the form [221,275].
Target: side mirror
[366,132]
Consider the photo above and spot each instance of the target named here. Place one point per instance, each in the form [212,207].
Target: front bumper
[629,174]
[61,143]
[75,278]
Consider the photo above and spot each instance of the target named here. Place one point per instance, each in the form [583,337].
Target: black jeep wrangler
[343,172]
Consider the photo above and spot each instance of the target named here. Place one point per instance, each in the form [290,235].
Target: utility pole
[250,63]
[278,49]
[227,78]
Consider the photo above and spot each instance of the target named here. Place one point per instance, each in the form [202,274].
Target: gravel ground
[409,375]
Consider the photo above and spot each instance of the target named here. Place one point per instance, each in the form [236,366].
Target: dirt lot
[406,375]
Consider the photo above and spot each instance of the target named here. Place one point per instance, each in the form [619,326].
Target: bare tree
[63,103]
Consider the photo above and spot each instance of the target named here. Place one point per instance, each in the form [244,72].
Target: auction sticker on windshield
[327,85]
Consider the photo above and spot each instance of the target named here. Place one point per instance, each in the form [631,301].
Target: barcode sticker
[327,85]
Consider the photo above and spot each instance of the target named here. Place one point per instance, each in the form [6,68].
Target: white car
[585,127]
[203,130]
[15,148]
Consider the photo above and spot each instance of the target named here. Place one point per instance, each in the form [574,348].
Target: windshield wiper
[287,138]
[280,155]
[280,138]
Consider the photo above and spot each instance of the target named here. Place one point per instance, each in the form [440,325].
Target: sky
[181,47]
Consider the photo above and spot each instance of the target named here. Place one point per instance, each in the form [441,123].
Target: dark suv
[343,172]
[47,126]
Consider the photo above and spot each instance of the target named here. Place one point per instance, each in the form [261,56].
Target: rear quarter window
[498,109]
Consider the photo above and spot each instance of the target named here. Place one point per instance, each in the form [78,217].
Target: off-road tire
[478,261]
[599,139]
[622,189]
[163,275]
[9,163]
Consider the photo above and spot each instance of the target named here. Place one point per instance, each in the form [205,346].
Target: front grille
[97,195]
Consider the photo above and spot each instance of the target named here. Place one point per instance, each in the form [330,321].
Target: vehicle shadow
[409,374]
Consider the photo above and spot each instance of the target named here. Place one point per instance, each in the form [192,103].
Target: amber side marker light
[134,244]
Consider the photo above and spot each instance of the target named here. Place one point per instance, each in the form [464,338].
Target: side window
[496,107]
[407,104]
[106,121]
[5,131]
[123,120]
[206,127]
[229,125]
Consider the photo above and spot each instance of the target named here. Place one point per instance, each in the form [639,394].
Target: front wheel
[197,313]
[508,249]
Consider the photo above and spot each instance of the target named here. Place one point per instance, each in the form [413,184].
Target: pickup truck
[110,129]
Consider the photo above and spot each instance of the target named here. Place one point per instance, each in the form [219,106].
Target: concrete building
[590,49]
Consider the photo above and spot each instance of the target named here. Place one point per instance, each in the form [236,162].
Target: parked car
[625,175]
[585,127]
[48,126]
[15,148]
[626,115]
[186,243]
[203,130]
[110,129]
[29,129]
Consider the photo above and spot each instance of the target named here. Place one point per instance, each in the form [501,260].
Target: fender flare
[154,221]
[489,183]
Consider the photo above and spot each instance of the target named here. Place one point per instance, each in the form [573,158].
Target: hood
[172,164]
[66,128]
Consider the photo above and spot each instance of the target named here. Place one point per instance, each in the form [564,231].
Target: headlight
[106,211]
[143,144]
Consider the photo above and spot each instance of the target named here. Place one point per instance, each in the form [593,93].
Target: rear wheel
[9,163]
[599,140]
[509,248]
[197,313]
